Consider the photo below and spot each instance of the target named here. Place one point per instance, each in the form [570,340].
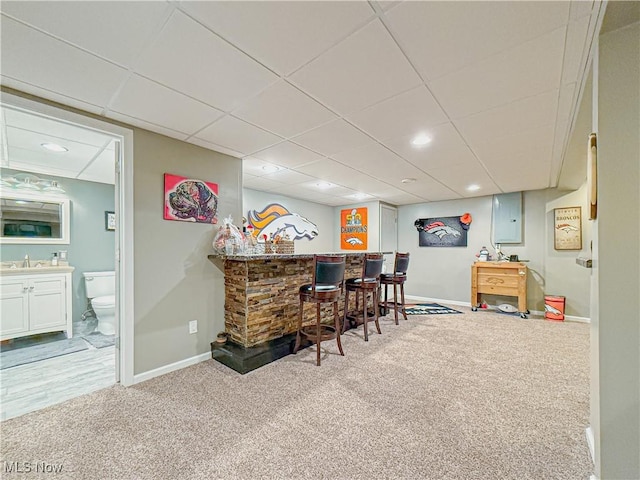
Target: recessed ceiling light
[473,188]
[359,196]
[420,140]
[324,185]
[270,168]
[54,147]
[408,180]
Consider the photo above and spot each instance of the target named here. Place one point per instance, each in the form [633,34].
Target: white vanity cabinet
[32,303]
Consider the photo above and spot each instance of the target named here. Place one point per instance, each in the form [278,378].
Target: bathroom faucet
[26,263]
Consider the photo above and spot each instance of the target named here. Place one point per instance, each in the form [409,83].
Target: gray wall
[615,331]
[445,273]
[91,247]
[321,215]
[174,281]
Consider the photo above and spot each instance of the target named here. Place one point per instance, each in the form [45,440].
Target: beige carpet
[466,396]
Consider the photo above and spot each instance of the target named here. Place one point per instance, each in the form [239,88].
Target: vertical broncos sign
[353,229]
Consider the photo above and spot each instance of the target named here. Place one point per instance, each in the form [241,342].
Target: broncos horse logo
[277,220]
[566,228]
[440,230]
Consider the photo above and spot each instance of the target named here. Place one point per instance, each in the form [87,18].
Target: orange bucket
[554,307]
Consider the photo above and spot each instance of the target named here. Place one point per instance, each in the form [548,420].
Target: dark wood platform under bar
[262,302]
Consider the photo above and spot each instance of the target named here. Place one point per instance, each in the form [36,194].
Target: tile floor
[30,387]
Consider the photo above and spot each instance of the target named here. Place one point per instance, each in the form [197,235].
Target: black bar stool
[397,279]
[327,286]
[368,282]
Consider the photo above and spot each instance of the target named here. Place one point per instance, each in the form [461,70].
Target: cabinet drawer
[498,290]
[496,280]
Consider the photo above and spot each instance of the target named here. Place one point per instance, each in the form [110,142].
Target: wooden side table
[500,278]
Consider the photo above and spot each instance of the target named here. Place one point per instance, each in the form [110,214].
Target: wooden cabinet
[499,278]
[31,304]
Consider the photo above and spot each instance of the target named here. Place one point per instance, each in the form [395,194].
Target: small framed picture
[110,221]
[568,228]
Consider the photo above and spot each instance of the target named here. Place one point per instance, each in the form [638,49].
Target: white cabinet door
[14,307]
[47,307]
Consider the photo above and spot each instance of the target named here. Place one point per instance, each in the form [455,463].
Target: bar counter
[261,294]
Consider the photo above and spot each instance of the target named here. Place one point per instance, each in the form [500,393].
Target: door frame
[124,220]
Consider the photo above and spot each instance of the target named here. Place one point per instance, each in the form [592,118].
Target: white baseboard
[569,318]
[436,300]
[591,443]
[172,367]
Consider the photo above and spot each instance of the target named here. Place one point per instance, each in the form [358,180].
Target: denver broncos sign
[443,231]
[275,219]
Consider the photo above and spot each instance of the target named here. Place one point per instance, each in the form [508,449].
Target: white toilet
[101,290]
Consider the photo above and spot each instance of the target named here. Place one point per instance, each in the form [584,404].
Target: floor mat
[100,340]
[429,309]
[35,353]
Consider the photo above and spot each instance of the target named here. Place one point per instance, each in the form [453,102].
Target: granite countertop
[282,256]
[5,269]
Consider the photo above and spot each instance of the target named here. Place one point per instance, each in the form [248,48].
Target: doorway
[122,165]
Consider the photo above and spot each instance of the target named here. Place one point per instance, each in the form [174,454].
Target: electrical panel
[507,218]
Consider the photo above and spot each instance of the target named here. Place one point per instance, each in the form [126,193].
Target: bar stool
[327,286]
[397,279]
[368,282]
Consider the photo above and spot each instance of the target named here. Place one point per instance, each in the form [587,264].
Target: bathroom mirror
[32,218]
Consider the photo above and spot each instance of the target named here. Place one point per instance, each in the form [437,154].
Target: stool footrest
[327,332]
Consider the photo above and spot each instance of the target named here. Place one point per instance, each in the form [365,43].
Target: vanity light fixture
[54,147]
[27,181]
[420,140]
[51,187]
[473,188]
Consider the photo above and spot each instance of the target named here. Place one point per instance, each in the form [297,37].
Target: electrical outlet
[193,326]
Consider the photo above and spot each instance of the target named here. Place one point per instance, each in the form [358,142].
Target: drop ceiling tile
[523,71]
[517,151]
[49,95]
[136,122]
[260,184]
[212,146]
[115,30]
[534,177]
[375,160]
[332,137]
[329,170]
[332,190]
[266,110]
[288,154]
[237,135]
[36,124]
[443,37]
[151,102]
[446,147]
[60,61]
[575,49]
[341,77]
[281,35]
[580,8]
[288,177]
[403,198]
[428,188]
[25,146]
[409,113]
[506,120]
[101,170]
[566,102]
[457,178]
[214,72]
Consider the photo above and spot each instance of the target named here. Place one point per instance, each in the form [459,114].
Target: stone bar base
[262,295]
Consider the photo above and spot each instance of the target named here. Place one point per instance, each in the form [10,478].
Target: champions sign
[353,229]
